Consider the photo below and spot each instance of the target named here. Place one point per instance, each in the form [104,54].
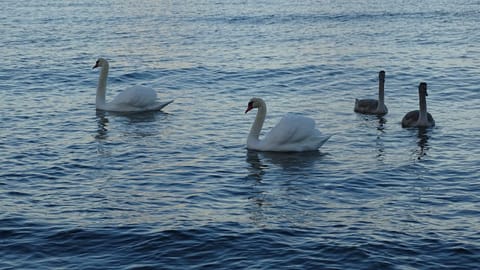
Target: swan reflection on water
[263,194]
[422,135]
[130,118]
[136,117]
[379,142]
[257,167]
[292,161]
[378,122]
[102,124]
[381,123]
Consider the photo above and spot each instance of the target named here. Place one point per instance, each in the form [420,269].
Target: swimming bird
[294,133]
[133,99]
[419,118]
[373,106]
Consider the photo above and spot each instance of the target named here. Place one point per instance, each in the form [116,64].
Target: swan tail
[161,105]
[323,140]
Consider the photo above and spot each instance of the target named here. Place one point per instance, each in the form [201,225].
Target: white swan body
[133,99]
[419,118]
[294,133]
[373,106]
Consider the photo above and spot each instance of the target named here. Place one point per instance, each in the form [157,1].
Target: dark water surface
[177,189]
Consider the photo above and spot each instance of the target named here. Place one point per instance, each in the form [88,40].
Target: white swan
[419,118]
[373,106]
[294,133]
[133,99]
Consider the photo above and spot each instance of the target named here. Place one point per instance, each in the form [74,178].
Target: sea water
[177,189]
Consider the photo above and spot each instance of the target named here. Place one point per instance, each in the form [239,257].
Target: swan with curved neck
[294,133]
[374,106]
[419,118]
[132,99]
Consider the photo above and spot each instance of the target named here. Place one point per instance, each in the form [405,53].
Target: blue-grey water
[85,189]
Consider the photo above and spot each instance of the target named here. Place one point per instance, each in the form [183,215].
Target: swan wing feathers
[136,96]
[365,105]
[292,128]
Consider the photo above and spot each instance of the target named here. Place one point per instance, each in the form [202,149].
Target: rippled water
[177,189]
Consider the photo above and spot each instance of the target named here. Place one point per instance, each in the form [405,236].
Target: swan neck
[102,86]
[258,123]
[422,117]
[381,92]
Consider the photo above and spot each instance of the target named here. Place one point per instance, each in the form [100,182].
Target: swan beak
[248,108]
[94,67]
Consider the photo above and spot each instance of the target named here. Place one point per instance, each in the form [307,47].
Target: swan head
[381,76]
[255,103]
[101,62]
[422,89]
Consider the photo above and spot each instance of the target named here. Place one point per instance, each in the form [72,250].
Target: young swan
[133,99]
[419,118]
[294,133]
[373,106]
